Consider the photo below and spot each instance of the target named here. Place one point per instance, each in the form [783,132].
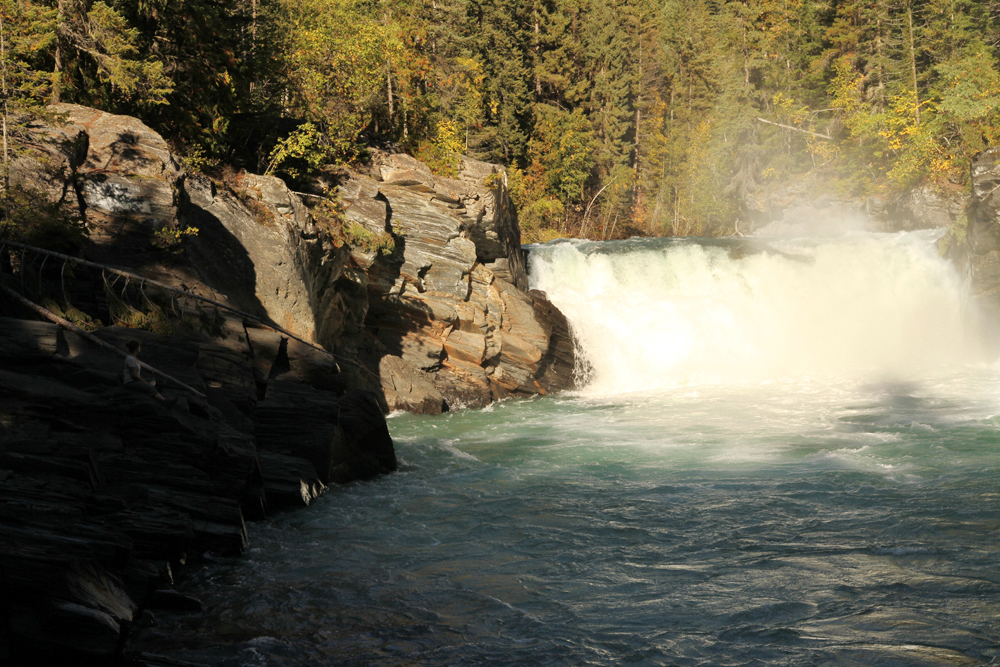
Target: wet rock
[289,481]
[335,434]
[167,598]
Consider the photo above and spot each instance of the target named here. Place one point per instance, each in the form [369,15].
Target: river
[783,453]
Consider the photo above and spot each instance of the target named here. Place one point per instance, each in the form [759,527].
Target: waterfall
[658,313]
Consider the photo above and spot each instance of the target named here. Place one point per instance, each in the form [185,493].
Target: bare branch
[795,129]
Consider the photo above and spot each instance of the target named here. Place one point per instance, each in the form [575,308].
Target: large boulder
[258,243]
[48,161]
[129,172]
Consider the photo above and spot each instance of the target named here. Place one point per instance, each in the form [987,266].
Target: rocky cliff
[976,243]
[104,493]
[448,317]
[440,318]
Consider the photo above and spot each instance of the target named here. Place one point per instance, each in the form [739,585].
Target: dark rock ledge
[105,493]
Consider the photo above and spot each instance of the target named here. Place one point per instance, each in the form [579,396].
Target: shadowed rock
[105,492]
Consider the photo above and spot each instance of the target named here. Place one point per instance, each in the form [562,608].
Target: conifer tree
[500,39]
[97,58]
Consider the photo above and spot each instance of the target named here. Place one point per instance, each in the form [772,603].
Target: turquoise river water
[781,454]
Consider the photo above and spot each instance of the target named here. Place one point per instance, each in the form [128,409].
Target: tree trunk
[3,76]
[388,88]
[538,81]
[57,70]
[913,63]
[638,110]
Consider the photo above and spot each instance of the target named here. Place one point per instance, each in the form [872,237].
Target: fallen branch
[66,324]
[586,214]
[796,129]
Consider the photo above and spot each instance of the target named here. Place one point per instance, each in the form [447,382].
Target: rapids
[782,453]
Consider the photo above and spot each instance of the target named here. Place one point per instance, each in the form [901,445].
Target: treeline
[615,117]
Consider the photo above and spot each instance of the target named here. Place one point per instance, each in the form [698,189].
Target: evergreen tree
[500,39]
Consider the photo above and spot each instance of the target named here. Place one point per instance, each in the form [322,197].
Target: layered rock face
[447,308]
[442,321]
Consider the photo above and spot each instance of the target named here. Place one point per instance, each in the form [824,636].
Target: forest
[613,117]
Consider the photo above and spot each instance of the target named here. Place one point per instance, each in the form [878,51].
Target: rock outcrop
[448,309]
[977,243]
[441,321]
[105,492]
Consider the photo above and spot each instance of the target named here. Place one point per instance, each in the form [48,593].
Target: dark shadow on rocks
[221,259]
[127,147]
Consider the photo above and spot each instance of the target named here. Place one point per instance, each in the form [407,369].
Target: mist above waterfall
[657,313]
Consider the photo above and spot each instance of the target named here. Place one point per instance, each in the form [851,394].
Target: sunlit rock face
[440,317]
[448,311]
[128,171]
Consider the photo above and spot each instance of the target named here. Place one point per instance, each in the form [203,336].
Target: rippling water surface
[800,504]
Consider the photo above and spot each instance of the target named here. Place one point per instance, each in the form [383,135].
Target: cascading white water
[660,313]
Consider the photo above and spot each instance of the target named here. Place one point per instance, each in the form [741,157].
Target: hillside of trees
[614,117]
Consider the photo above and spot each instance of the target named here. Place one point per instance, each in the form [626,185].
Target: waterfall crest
[658,313]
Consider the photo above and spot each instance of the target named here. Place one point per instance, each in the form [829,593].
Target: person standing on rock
[132,378]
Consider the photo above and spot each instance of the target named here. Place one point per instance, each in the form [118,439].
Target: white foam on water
[655,314]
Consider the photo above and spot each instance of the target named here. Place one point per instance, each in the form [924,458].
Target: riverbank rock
[447,307]
[104,492]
